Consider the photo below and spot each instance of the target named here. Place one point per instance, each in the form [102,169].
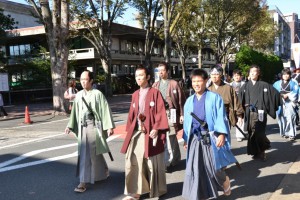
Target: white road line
[32,125]
[32,153]
[3,165]
[29,141]
[40,139]
[38,162]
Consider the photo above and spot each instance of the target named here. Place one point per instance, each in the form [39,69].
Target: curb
[19,116]
[289,185]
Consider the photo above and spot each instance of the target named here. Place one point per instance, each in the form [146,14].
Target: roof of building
[15,7]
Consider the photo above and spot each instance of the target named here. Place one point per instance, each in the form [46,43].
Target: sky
[128,18]
[286,6]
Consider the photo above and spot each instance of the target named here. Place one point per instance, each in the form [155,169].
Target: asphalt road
[38,161]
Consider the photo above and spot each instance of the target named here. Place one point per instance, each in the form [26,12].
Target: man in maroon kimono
[174,99]
[146,128]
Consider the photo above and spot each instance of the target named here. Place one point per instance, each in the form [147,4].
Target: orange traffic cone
[27,116]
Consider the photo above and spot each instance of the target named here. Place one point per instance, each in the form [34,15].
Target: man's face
[216,78]
[254,74]
[198,84]
[163,73]
[141,78]
[237,78]
[85,81]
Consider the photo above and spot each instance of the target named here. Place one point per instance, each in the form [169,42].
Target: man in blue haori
[286,114]
[208,147]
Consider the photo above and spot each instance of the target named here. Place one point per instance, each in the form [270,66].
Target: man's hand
[110,132]
[181,119]
[185,146]
[67,130]
[153,133]
[221,140]
[285,96]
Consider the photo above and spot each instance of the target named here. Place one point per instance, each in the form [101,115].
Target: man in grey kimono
[91,121]
[174,99]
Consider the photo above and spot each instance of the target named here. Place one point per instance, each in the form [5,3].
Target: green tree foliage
[270,65]
[227,21]
[261,34]
[172,11]
[149,11]
[182,30]
[6,23]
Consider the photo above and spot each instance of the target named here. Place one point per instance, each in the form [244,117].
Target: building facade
[282,44]
[294,24]
[24,43]
[22,13]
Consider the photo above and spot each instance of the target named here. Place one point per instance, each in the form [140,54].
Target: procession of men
[158,114]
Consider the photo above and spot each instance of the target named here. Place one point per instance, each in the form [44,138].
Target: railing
[79,54]
[89,53]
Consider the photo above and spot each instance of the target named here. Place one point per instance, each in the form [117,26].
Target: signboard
[296,53]
[156,75]
[4,86]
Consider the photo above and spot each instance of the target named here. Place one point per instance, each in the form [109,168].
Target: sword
[242,132]
[91,111]
[204,124]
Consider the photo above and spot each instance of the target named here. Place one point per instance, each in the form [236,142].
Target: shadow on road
[251,181]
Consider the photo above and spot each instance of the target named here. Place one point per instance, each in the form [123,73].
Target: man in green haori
[91,121]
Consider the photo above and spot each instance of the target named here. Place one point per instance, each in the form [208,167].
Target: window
[135,47]
[18,50]
[116,69]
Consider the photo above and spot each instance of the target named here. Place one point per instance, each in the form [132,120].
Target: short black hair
[237,71]
[165,64]
[255,66]
[286,71]
[258,70]
[91,75]
[199,72]
[141,67]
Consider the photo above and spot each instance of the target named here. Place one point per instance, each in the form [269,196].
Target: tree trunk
[148,43]
[108,84]
[167,49]
[182,62]
[199,56]
[56,25]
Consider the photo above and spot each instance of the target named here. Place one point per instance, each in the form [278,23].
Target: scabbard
[110,156]
[242,132]
[238,165]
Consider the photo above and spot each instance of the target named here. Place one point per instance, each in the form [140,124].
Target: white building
[282,45]
[294,24]
[22,13]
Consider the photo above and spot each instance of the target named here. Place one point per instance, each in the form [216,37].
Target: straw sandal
[80,188]
[226,187]
[131,197]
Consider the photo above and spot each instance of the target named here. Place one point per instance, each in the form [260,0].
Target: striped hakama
[92,167]
[201,180]
[143,175]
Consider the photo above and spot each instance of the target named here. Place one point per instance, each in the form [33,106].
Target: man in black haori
[258,99]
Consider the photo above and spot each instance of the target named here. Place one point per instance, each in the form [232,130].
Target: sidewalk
[117,102]
[288,189]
